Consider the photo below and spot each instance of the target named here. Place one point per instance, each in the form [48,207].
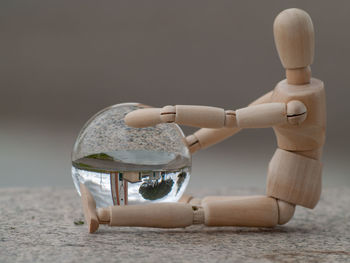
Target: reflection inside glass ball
[121,165]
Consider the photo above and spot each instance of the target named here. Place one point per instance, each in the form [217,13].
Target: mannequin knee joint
[285,211]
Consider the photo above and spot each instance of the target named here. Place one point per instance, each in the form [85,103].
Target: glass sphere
[121,165]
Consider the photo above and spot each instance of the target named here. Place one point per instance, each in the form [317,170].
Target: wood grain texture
[163,215]
[294,38]
[298,76]
[89,207]
[310,134]
[200,116]
[262,115]
[285,210]
[207,137]
[296,110]
[215,198]
[294,178]
[256,211]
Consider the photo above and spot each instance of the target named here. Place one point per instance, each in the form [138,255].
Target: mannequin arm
[206,137]
[219,124]
[190,115]
[271,114]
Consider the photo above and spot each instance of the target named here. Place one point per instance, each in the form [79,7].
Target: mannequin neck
[298,76]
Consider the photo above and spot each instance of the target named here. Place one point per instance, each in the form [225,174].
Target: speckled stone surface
[37,225]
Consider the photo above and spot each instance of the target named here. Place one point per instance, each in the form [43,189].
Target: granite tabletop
[44,225]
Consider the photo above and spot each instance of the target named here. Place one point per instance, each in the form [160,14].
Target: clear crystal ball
[121,165]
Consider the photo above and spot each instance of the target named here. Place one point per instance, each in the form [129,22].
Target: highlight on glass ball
[121,165]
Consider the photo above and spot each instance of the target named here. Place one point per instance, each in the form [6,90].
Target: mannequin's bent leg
[258,211]
[253,211]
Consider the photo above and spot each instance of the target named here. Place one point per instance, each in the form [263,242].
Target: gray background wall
[62,61]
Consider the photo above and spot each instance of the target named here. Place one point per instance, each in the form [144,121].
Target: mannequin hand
[143,118]
[152,116]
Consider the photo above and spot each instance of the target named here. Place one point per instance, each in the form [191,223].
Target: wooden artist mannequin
[295,109]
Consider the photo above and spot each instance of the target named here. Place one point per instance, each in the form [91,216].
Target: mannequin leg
[250,211]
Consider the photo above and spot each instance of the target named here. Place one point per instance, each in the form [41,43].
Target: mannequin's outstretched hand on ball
[143,118]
